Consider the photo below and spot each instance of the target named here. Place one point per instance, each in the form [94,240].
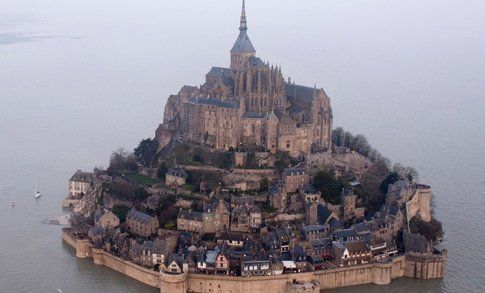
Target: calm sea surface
[79,79]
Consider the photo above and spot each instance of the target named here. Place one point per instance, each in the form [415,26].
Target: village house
[312,232]
[351,253]
[175,176]
[231,239]
[350,209]
[222,262]
[322,247]
[295,178]
[108,220]
[216,217]
[240,219]
[255,217]
[141,224]
[188,220]
[346,235]
[254,266]
[80,183]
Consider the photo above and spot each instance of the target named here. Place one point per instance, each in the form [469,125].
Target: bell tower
[243,48]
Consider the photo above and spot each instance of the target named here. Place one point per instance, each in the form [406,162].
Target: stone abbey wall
[419,204]
[381,274]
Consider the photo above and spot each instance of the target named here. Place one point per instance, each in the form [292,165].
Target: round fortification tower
[173,283]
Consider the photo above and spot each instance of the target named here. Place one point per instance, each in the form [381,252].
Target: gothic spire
[244,24]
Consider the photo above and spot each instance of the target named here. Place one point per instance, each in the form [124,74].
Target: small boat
[37,193]
[12,204]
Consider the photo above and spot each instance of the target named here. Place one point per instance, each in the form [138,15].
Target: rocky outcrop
[89,202]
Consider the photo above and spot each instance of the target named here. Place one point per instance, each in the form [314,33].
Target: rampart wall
[376,273]
[419,204]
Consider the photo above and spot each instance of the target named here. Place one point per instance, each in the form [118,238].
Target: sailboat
[37,193]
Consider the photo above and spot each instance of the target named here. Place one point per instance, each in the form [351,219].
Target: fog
[78,79]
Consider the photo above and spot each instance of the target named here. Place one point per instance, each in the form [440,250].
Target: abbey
[249,104]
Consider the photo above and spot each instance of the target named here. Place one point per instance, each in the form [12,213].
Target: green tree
[122,162]
[264,184]
[432,230]
[329,186]
[141,194]
[120,211]
[145,151]
[162,170]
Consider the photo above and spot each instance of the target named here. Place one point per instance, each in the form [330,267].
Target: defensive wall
[419,204]
[375,273]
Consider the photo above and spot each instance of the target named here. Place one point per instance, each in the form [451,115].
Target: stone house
[295,178]
[216,217]
[146,256]
[322,247]
[188,220]
[80,183]
[311,213]
[238,201]
[255,217]
[175,176]
[108,220]
[351,253]
[312,232]
[141,224]
[346,235]
[240,219]
[350,210]
[231,239]
[253,266]
[222,262]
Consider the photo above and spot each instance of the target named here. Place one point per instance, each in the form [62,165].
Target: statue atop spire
[244,24]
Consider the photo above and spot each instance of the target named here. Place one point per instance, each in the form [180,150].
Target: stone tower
[311,214]
[243,48]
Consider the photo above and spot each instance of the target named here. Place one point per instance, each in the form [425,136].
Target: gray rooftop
[139,216]
[81,176]
[214,102]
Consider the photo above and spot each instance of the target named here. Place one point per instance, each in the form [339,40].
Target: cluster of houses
[232,238]
[235,235]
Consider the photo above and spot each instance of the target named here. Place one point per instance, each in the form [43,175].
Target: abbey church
[249,104]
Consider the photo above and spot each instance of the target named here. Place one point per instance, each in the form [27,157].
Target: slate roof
[293,171]
[215,102]
[253,115]
[190,215]
[314,228]
[323,243]
[335,224]
[356,247]
[256,62]
[220,72]
[81,176]
[188,89]
[177,172]
[345,233]
[323,213]
[243,44]
[242,200]
[302,91]
[139,216]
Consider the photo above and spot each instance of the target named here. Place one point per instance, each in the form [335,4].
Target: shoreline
[376,273]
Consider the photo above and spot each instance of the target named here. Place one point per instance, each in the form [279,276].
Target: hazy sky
[80,78]
[94,67]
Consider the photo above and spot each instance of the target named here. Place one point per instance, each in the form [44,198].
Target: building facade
[249,104]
